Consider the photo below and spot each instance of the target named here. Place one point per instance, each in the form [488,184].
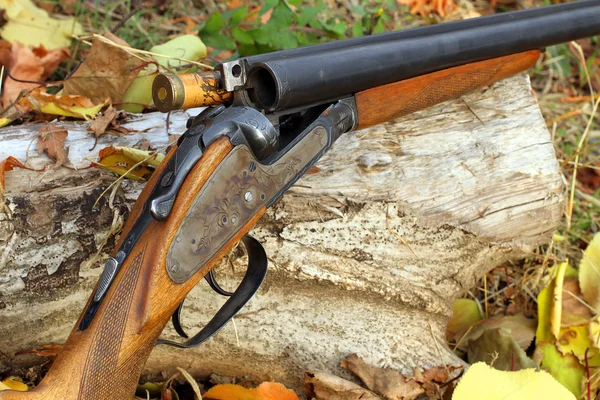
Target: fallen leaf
[66,105]
[324,386]
[32,26]
[106,73]
[192,382]
[465,313]
[188,47]
[7,165]
[120,160]
[589,273]
[52,142]
[497,348]
[384,381]
[565,368]
[521,328]
[577,340]
[544,305]
[264,391]
[483,382]
[427,7]
[29,64]
[574,311]
[13,384]
[101,123]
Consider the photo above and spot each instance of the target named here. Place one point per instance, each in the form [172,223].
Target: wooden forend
[397,99]
[105,361]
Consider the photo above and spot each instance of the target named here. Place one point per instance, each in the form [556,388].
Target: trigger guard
[255,275]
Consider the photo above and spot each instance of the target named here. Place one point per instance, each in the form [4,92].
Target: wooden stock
[382,103]
[105,361]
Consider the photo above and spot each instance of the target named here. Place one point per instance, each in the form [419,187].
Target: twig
[123,20]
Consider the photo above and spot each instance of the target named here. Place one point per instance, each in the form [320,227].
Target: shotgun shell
[174,92]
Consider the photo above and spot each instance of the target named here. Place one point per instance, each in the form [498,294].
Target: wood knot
[374,162]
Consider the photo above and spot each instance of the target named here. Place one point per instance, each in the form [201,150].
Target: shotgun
[268,119]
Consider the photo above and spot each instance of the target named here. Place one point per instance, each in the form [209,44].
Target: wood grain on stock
[106,360]
[382,103]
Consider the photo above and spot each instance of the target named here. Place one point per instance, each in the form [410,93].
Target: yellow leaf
[5,121]
[483,382]
[565,368]
[188,47]
[556,314]
[13,384]
[120,160]
[589,273]
[32,26]
[73,111]
[265,391]
[576,340]
[67,105]
[544,304]
[465,312]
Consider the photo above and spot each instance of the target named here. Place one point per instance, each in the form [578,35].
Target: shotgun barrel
[291,78]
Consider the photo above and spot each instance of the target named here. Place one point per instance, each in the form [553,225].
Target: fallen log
[367,251]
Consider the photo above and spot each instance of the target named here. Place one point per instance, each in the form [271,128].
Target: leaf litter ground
[550,295]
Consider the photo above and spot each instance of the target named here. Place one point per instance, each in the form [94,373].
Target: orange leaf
[265,391]
[7,165]
[28,64]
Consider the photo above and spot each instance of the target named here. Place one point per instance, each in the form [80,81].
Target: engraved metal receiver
[266,159]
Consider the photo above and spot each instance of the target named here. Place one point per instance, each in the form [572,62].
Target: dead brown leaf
[574,312]
[384,381]
[34,65]
[521,328]
[102,122]
[7,165]
[52,142]
[106,73]
[324,386]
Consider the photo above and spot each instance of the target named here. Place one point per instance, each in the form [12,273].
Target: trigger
[176,319]
[212,282]
[255,274]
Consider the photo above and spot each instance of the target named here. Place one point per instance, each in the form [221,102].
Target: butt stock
[401,98]
[105,360]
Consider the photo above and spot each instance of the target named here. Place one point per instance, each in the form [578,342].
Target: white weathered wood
[367,253]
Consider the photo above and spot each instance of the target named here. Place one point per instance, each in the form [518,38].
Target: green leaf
[285,40]
[260,35]
[484,382]
[497,346]
[241,36]
[248,49]
[219,41]
[465,312]
[358,29]
[308,14]
[379,27]
[269,4]
[589,273]
[565,368]
[213,24]
[281,18]
[339,28]
[238,15]
[188,47]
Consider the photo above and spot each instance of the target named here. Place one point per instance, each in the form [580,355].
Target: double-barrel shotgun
[268,119]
